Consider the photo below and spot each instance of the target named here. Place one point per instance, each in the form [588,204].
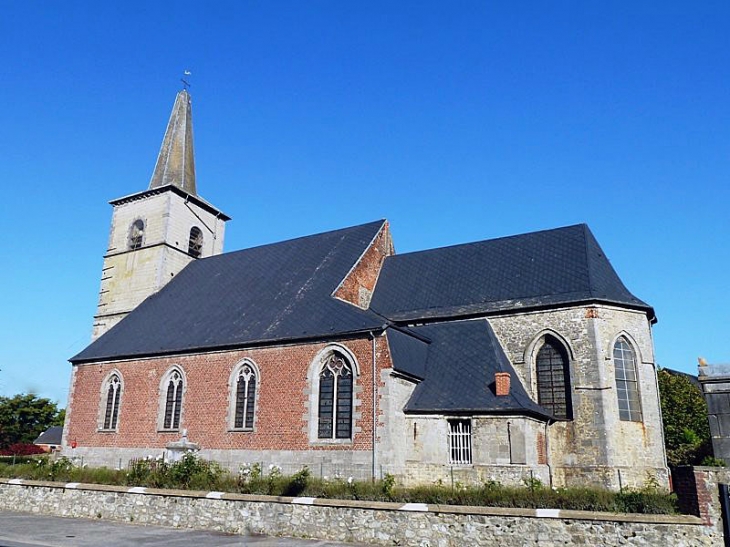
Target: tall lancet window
[111,407]
[136,235]
[173,401]
[195,245]
[245,397]
[627,384]
[335,398]
[553,379]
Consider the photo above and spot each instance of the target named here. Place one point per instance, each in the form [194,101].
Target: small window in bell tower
[136,235]
[195,246]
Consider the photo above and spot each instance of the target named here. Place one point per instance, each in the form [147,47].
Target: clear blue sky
[457,121]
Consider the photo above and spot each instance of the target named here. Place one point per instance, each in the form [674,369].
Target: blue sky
[457,121]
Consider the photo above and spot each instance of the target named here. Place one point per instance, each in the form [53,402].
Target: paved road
[27,530]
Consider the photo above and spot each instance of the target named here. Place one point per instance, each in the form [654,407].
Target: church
[506,359]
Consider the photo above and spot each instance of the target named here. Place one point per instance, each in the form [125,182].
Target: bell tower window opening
[335,398]
[136,235]
[195,244]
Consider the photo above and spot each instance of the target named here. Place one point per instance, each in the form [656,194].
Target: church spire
[176,161]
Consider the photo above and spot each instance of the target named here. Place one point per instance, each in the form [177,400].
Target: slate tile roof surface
[551,267]
[458,373]
[274,292]
[52,435]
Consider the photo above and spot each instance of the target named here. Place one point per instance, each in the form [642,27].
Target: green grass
[193,473]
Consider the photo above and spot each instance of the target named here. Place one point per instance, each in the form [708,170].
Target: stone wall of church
[505,449]
[596,445]
[284,431]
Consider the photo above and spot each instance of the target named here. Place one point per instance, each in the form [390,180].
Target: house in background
[500,359]
[50,439]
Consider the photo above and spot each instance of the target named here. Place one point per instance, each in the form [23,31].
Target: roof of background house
[269,293]
[538,269]
[52,435]
[457,367]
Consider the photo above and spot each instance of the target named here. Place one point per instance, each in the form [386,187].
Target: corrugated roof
[270,293]
[458,373]
[547,268]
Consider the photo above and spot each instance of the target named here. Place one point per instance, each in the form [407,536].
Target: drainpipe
[547,457]
[374,405]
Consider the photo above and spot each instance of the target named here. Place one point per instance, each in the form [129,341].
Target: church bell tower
[157,232]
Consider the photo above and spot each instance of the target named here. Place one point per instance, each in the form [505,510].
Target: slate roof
[52,435]
[461,359]
[270,293]
[539,269]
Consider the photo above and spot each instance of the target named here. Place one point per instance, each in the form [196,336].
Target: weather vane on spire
[186,84]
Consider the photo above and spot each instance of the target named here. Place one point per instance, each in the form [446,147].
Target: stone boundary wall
[376,523]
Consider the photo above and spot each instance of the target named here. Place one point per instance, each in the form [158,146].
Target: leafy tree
[25,416]
[684,412]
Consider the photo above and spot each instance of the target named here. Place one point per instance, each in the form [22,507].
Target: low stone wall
[354,521]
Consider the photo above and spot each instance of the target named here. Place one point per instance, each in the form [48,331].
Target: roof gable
[269,293]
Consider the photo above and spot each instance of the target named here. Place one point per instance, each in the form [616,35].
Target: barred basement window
[245,398]
[173,401]
[136,235]
[195,244]
[113,394]
[553,379]
[335,398]
[460,442]
[627,386]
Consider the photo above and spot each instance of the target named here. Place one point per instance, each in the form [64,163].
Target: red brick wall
[282,406]
[541,449]
[365,273]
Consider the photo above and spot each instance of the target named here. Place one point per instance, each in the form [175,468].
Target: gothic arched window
[195,244]
[136,234]
[553,379]
[627,385]
[113,391]
[335,398]
[173,400]
[245,406]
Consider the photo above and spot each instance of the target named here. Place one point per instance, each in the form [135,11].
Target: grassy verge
[197,474]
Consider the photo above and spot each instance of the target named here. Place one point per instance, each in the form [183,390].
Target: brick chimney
[501,380]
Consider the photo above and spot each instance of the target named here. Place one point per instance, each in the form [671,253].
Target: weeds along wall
[354,521]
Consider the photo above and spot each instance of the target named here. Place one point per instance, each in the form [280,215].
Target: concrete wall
[353,521]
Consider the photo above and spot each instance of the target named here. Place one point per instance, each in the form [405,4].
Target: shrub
[297,483]
[22,449]
[196,473]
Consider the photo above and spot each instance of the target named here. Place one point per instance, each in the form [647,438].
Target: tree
[684,412]
[25,416]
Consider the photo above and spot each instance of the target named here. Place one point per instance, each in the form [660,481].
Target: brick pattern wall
[541,449]
[357,288]
[282,400]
